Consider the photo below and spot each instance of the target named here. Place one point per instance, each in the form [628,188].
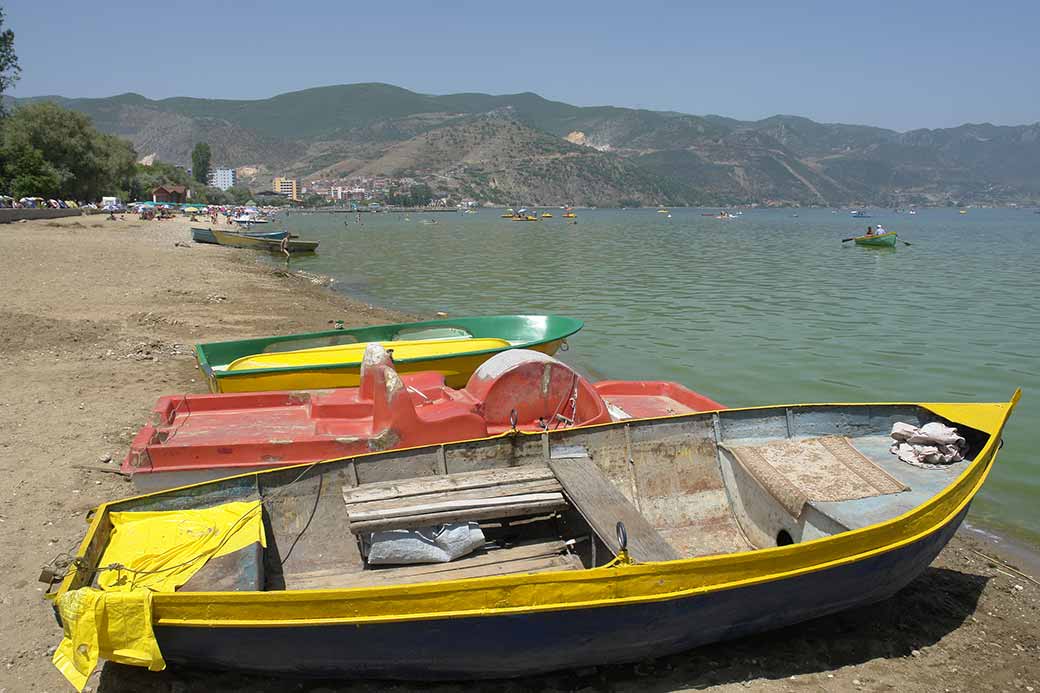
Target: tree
[239,194]
[29,174]
[72,160]
[200,157]
[8,61]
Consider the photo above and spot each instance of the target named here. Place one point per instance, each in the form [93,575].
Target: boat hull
[252,242]
[539,332]
[533,643]
[201,235]
[886,240]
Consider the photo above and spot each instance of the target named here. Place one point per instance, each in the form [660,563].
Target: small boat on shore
[251,242]
[193,438]
[524,553]
[878,240]
[453,347]
[205,235]
[546,215]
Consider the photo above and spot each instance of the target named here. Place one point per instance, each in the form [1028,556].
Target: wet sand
[97,320]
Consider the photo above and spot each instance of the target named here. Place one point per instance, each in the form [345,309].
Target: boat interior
[719,482]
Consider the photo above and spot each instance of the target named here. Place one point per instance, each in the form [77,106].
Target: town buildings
[222,178]
[286,186]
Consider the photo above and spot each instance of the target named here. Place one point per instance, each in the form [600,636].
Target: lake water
[768,308]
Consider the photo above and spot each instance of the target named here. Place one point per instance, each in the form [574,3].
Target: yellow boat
[662,211]
[546,215]
[527,217]
[599,545]
[570,215]
[454,347]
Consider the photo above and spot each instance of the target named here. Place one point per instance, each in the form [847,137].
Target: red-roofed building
[174,194]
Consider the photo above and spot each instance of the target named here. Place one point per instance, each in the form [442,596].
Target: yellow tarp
[162,550]
[113,625]
[158,552]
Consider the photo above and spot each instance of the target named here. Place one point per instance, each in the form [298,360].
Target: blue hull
[200,235]
[533,643]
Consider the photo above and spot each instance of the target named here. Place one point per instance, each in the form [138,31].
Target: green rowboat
[456,348]
[883,240]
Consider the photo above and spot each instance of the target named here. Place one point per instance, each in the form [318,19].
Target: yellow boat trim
[353,353]
[605,586]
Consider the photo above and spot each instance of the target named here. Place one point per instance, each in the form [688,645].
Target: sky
[901,65]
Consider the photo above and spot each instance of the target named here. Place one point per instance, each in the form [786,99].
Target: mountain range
[522,148]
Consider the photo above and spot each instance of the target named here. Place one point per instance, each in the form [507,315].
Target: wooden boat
[241,240]
[205,235]
[604,544]
[456,353]
[881,240]
[194,438]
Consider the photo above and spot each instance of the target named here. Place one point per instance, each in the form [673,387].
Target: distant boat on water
[859,214]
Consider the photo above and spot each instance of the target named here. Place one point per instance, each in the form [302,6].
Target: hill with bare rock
[522,147]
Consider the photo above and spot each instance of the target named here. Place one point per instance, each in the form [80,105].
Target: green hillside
[676,157]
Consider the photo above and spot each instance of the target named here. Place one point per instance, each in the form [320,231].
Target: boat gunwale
[621,584]
[208,369]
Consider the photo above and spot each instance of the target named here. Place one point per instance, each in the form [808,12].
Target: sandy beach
[97,320]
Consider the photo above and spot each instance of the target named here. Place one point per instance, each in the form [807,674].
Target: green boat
[317,360]
[881,240]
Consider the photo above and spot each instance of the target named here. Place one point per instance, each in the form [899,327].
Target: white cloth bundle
[431,545]
[932,443]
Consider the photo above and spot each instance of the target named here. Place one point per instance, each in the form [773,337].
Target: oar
[844,240]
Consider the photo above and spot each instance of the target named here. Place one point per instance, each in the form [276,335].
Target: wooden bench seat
[462,497]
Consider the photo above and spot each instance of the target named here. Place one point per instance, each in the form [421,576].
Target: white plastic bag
[430,545]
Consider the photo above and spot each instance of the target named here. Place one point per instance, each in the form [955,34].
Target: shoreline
[99,318]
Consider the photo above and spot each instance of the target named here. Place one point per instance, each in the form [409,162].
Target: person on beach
[284,246]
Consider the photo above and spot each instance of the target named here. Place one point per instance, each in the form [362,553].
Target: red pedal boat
[196,438]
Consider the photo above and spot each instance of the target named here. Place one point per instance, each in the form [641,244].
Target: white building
[222,178]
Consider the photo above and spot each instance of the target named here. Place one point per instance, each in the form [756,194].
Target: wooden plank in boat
[470,514]
[512,489]
[420,506]
[534,557]
[450,482]
[603,505]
